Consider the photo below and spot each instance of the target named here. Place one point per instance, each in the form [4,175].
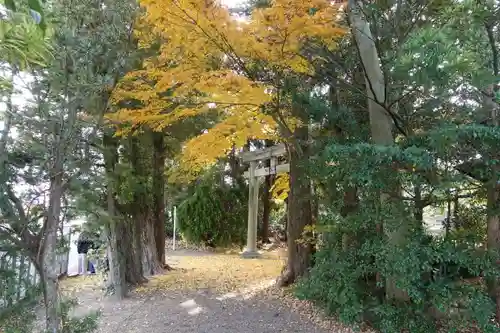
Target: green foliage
[12,283]
[355,262]
[278,217]
[21,318]
[18,317]
[214,215]
[169,225]
[343,280]
[22,42]
[86,324]
[9,282]
[469,222]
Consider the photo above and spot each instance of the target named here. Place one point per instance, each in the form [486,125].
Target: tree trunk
[235,165]
[299,212]
[142,211]
[131,249]
[314,203]
[135,253]
[419,205]
[150,261]
[493,240]
[266,208]
[266,200]
[115,257]
[159,195]
[51,301]
[380,120]
[49,276]
[493,218]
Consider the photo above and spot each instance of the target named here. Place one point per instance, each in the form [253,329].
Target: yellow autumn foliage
[281,187]
[281,31]
[235,130]
[203,64]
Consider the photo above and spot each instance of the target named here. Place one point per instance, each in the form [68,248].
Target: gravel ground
[257,308]
[201,312]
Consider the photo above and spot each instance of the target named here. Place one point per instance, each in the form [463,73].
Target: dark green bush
[214,216]
[169,226]
[431,272]
[355,261]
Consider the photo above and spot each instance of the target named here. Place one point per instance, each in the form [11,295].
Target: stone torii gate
[254,176]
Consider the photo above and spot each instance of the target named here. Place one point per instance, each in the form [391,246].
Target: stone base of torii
[254,177]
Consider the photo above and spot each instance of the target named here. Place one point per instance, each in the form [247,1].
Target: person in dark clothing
[83,245]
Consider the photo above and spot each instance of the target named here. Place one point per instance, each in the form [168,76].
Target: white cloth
[73,258]
[82,263]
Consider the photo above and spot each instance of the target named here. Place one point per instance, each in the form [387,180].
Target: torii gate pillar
[253,174]
[253,212]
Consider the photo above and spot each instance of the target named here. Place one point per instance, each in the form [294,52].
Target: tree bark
[419,205]
[115,257]
[493,195]
[150,261]
[142,210]
[380,120]
[137,210]
[299,211]
[49,276]
[266,200]
[136,253]
[235,166]
[131,249]
[493,240]
[266,208]
[493,217]
[159,194]
[314,203]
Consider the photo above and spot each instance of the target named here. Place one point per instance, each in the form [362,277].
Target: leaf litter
[230,275]
[220,273]
[225,274]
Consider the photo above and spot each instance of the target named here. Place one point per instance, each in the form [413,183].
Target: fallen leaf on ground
[307,310]
[218,272]
[74,284]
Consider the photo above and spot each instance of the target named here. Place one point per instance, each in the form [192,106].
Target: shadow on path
[199,307]
[202,312]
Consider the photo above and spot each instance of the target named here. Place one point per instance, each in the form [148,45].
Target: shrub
[431,272]
[441,280]
[214,216]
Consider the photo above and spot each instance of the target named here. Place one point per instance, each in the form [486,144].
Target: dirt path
[206,293]
[190,312]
